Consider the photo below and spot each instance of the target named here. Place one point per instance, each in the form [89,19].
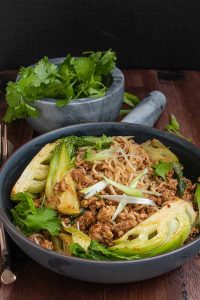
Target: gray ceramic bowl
[88,270]
[83,110]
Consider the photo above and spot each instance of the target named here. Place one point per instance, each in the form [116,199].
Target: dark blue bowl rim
[61,131]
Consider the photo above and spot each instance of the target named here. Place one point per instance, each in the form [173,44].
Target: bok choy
[165,230]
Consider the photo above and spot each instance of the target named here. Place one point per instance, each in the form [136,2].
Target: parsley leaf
[162,168]
[31,219]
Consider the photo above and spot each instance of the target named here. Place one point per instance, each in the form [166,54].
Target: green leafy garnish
[197,197]
[98,143]
[174,127]
[31,219]
[126,189]
[162,168]
[74,78]
[97,251]
[178,171]
[124,112]
[130,99]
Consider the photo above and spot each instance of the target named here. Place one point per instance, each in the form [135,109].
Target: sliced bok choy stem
[95,188]
[126,189]
[129,199]
[92,155]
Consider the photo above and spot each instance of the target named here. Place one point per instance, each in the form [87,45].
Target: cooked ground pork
[123,167]
[41,240]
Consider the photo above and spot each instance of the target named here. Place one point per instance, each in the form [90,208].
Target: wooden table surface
[38,283]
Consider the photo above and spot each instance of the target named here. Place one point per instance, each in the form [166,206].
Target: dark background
[161,34]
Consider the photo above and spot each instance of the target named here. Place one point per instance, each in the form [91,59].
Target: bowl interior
[188,154]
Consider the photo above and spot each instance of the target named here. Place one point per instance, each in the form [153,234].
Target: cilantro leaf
[174,127]
[45,71]
[31,219]
[13,94]
[74,78]
[105,61]
[45,218]
[23,110]
[162,168]
[130,99]
[84,67]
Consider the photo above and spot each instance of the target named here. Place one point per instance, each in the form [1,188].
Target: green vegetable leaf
[13,94]
[91,155]
[98,143]
[45,218]
[178,171]
[174,123]
[79,237]
[45,71]
[174,127]
[162,232]
[74,78]
[84,67]
[31,219]
[162,168]
[62,102]
[124,112]
[105,61]
[62,160]
[130,99]
[23,110]
[197,197]
[97,251]
[63,157]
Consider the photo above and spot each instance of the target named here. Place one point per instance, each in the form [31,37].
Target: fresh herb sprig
[174,127]
[162,168]
[74,78]
[31,219]
[130,99]
[197,197]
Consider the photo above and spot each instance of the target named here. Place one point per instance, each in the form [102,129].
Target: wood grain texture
[37,283]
